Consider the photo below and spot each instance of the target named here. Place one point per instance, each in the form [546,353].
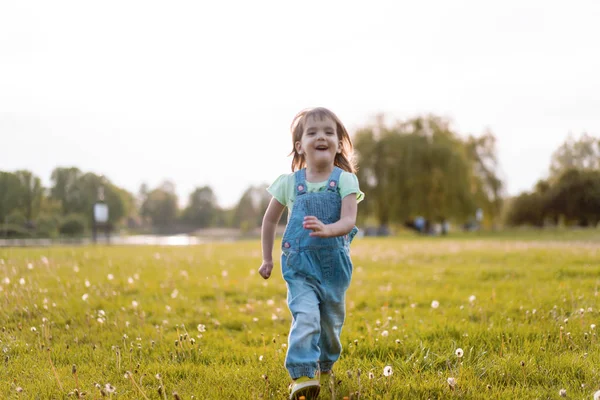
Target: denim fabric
[317,272]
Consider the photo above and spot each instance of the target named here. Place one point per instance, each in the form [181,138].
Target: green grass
[527,334]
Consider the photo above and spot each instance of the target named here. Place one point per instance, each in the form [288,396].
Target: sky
[203,92]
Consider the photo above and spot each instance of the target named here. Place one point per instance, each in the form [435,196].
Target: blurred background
[151,119]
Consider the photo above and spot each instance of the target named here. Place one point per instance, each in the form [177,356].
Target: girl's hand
[318,228]
[265,269]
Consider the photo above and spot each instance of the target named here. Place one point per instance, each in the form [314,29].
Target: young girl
[322,194]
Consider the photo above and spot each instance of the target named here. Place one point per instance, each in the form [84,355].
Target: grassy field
[148,322]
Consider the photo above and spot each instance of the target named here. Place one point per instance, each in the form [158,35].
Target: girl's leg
[303,341]
[332,319]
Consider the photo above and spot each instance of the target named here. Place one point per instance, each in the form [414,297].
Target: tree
[422,167]
[202,208]
[31,194]
[10,194]
[65,190]
[580,154]
[161,206]
[251,207]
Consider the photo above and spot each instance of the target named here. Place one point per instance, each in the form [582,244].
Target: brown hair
[344,160]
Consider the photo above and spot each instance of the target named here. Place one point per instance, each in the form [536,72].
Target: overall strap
[334,179]
[300,176]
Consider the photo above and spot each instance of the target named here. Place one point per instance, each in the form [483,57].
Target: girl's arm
[339,228]
[269,224]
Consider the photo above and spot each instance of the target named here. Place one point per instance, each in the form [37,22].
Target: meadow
[466,317]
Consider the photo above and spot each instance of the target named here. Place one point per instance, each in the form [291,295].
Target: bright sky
[203,92]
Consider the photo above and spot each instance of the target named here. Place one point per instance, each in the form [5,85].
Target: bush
[47,226]
[13,231]
[73,225]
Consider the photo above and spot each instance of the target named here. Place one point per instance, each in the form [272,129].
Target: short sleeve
[279,189]
[349,185]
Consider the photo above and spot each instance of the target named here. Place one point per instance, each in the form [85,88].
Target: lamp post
[100,219]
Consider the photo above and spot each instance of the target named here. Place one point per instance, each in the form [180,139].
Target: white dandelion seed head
[45,260]
[101,313]
[175,293]
[85,297]
[6,280]
[224,273]
[472,298]
[109,388]
[566,321]
[110,277]
[394,328]
[29,266]
[385,333]
[388,371]
[134,304]
[451,382]
[22,281]
[260,358]
[459,352]
[413,305]
[87,283]
[270,302]
[435,304]
[372,376]
[597,395]
[593,326]
[33,329]
[130,280]
[562,393]
[201,328]
[76,268]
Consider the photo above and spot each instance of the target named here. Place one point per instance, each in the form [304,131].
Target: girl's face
[319,142]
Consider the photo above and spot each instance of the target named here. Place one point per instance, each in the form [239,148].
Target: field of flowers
[431,318]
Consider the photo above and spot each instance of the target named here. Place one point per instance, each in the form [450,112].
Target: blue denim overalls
[317,272]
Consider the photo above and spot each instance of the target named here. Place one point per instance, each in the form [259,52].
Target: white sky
[203,92]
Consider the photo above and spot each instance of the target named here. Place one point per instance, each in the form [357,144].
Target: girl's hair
[344,160]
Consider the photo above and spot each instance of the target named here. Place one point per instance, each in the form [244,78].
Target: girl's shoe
[305,386]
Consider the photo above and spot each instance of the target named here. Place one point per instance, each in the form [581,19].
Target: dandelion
[388,371]
[435,304]
[174,294]
[130,280]
[385,333]
[566,321]
[260,358]
[224,274]
[110,277]
[413,305]
[597,395]
[593,326]
[134,304]
[562,393]
[459,352]
[109,388]
[472,298]
[201,328]
[87,283]
[19,389]
[397,341]
[22,281]
[372,376]
[451,382]
[6,280]
[85,297]
[33,329]
[30,266]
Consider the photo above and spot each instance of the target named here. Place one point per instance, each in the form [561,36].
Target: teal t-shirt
[284,188]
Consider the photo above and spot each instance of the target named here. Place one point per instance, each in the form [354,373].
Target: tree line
[416,167]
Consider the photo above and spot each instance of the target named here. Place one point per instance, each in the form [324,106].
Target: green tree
[202,208]
[65,189]
[580,154]
[31,194]
[161,206]
[10,194]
